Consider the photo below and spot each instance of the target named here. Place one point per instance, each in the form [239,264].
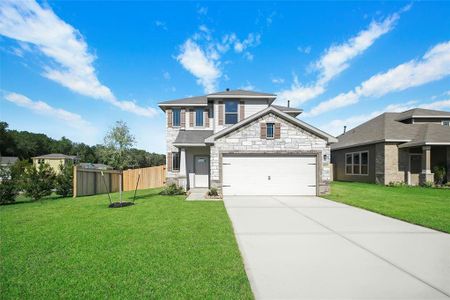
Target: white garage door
[269,175]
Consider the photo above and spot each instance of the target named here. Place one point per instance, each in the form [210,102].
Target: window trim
[353,165]
[173,117]
[173,161]
[267,131]
[445,123]
[230,113]
[200,111]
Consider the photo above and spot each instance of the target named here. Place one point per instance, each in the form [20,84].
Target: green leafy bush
[428,184]
[173,189]
[39,182]
[64,180]
[8,187]
[439,174]
[396,184]
[213,192]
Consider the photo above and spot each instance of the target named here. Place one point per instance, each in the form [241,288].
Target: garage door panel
[270,175]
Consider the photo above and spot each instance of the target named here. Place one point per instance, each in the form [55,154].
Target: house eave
[421,143]
[240,96]
[370,143]
[188,145]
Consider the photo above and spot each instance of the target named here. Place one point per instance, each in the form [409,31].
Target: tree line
[26,145]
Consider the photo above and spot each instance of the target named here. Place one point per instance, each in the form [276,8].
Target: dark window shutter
[169,161]
[277,131]
[241,110]
[220,112]
[183,118]
[206,117]
[263,131]
[169,118]
[191,118]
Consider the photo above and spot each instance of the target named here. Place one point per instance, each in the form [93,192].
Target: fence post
[74,182]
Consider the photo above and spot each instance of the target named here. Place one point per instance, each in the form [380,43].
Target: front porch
[422,160]
[194,167]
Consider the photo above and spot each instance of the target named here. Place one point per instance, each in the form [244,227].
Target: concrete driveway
[313,248]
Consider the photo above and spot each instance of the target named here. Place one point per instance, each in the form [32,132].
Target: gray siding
[338,160]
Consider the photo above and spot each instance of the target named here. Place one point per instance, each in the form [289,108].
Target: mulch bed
[120,204]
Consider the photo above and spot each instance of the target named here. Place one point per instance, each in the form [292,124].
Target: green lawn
[423,206]
[162,247]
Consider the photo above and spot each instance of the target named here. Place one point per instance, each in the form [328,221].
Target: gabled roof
[203,100]
[422,113]
[192,137]
[429,134]
[387,128]
[283,115]
[56,156]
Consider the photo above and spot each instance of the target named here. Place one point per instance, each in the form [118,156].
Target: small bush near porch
[162,247]
[428,207]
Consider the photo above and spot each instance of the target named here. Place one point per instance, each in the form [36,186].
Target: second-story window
[231,111]
[176,116]
[199,117]
[270,130]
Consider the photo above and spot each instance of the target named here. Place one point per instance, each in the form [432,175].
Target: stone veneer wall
[395,163]
[293,139]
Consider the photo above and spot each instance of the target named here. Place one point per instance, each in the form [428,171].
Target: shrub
[213,192]
[8,186]
[173,189]
[439,174]
[64,180]
[396,184]
[428,184]
[38,182]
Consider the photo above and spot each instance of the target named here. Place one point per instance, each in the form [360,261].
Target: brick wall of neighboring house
[292,140]
[171,135]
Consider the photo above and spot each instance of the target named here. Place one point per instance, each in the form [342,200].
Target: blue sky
[73,68]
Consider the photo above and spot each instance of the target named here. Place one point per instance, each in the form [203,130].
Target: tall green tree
[117,144]
[39,182]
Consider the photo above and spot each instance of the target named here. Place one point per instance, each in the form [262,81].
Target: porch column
[182,175]
[448,163]
[426,165]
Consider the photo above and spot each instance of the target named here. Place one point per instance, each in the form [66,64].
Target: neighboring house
[7,161]
[240,143]
[94,166]
[54,160]
[394,147]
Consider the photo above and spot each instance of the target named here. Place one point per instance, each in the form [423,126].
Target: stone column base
[426,177]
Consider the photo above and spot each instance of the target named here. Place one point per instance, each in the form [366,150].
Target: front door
[201,170]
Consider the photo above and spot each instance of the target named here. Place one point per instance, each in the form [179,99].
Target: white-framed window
[175,161]
[357,163]
[446,123]
[270,130]
[199,117]
[176,117]
[231,111]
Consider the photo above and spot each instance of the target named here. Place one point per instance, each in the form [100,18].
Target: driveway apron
[312,248]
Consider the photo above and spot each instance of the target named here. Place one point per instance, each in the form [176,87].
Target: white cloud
[40,107]
[335,60]
[202,10]
[166,75]
[248,56]
[277,80]
[72,64]
[434,65]
[305,50]
[204,67]
[248,86]
[336,127]
[161,24]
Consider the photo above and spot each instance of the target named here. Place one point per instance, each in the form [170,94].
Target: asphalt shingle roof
[421,112]
[56,156]
[192,136]
[386,127]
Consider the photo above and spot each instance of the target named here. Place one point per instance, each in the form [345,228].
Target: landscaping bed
[162,247]
[429,207]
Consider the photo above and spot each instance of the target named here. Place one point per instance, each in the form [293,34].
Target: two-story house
[239,142]
[395,147]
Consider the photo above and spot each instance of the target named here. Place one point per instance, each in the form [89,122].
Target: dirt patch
[120,204]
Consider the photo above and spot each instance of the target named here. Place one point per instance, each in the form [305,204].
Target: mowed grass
[162,247]
[423,206]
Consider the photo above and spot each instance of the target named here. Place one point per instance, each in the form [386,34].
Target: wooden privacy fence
[151,177]
[90,182]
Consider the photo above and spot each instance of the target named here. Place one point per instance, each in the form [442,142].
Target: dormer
[423,116]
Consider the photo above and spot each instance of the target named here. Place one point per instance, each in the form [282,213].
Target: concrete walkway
[312,248]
